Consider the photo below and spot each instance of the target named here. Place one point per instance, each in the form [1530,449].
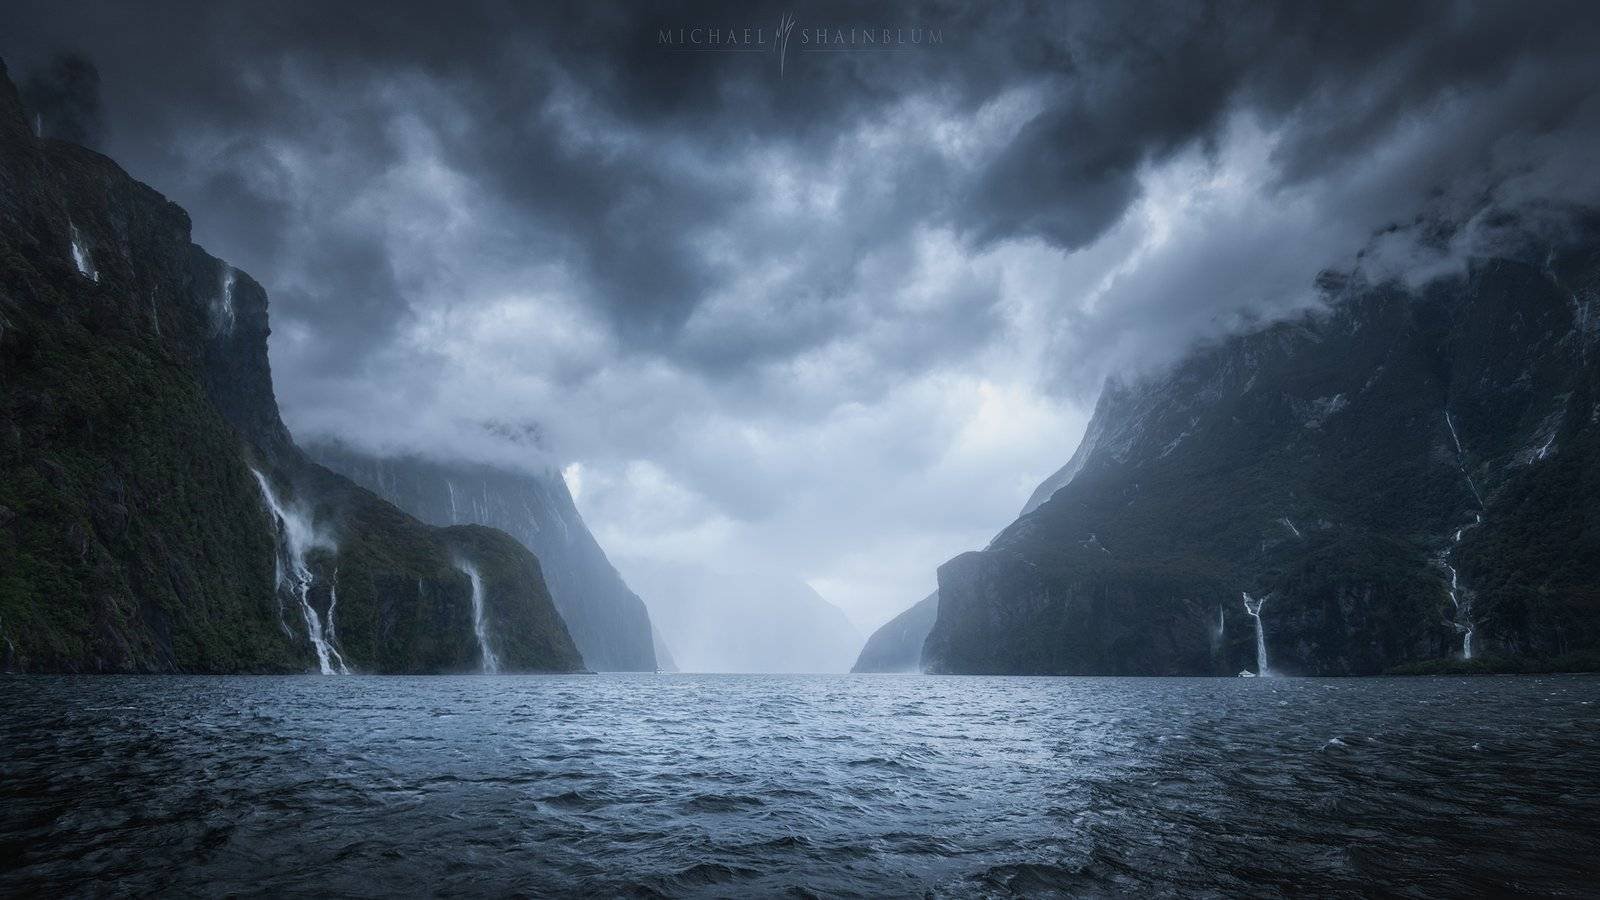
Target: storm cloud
[834,322]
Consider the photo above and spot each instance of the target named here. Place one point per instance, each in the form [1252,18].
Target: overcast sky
[833,322]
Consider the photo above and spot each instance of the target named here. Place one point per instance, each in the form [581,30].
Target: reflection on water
[733,785]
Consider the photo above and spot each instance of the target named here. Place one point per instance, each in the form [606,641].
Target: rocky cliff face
[154,513]
[1406,476]
[897,645]
[608,622]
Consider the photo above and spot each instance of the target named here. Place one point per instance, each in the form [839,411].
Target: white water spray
[296,537]
[222,308]
[1461,602]
[1252,607]
[80,255]
[491,663]
[333,607]
[1545,450]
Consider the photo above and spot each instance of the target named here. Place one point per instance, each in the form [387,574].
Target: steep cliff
[897,645]
[154,513]
[608,622]
[1408,475]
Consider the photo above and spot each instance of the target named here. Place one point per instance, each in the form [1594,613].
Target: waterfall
[1450,423]
[1252,607]
[1463,606]
[1463,603]
[80,256]
[1544,451]
[296,537]
[491,663]
[333,607]
[222,309]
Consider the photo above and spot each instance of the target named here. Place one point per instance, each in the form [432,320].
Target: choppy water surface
[742,786]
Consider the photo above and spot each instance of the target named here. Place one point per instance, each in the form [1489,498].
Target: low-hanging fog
[828,326]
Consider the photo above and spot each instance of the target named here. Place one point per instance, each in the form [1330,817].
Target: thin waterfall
[222,314]
[1451,424]
[1460,600]
[1462,604]
[296,537]
[1252,607]
[333,607]
[491,663]
[80,255]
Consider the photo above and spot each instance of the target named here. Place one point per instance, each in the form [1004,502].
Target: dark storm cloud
[1151,81]
[864,285]
[1123,85]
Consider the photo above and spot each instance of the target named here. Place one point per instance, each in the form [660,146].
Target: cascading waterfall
[491,663]
[1544,451]
[222,309]
[1252,607]
[80,256]
[1461,602]
[296,537]
[1462,606]
[333,607]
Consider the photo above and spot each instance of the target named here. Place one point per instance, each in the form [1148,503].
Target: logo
[785,25]
[853,38]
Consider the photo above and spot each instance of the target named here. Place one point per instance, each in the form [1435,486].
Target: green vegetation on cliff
[135,399]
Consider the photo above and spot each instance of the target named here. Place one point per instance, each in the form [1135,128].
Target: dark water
[762,785]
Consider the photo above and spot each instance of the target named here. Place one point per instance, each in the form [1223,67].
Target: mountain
[155,515]
[608,622]
[1406,476]
[664,660]
[718,622]
[897,645]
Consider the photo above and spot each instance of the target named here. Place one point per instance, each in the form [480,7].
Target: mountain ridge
[143,525]
[608,622]
[1347,466]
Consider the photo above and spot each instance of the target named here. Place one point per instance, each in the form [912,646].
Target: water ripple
[804,786]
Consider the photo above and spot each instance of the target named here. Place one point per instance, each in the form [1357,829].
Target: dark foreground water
[761,785]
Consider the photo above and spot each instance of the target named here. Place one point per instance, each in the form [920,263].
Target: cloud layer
[834,324]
